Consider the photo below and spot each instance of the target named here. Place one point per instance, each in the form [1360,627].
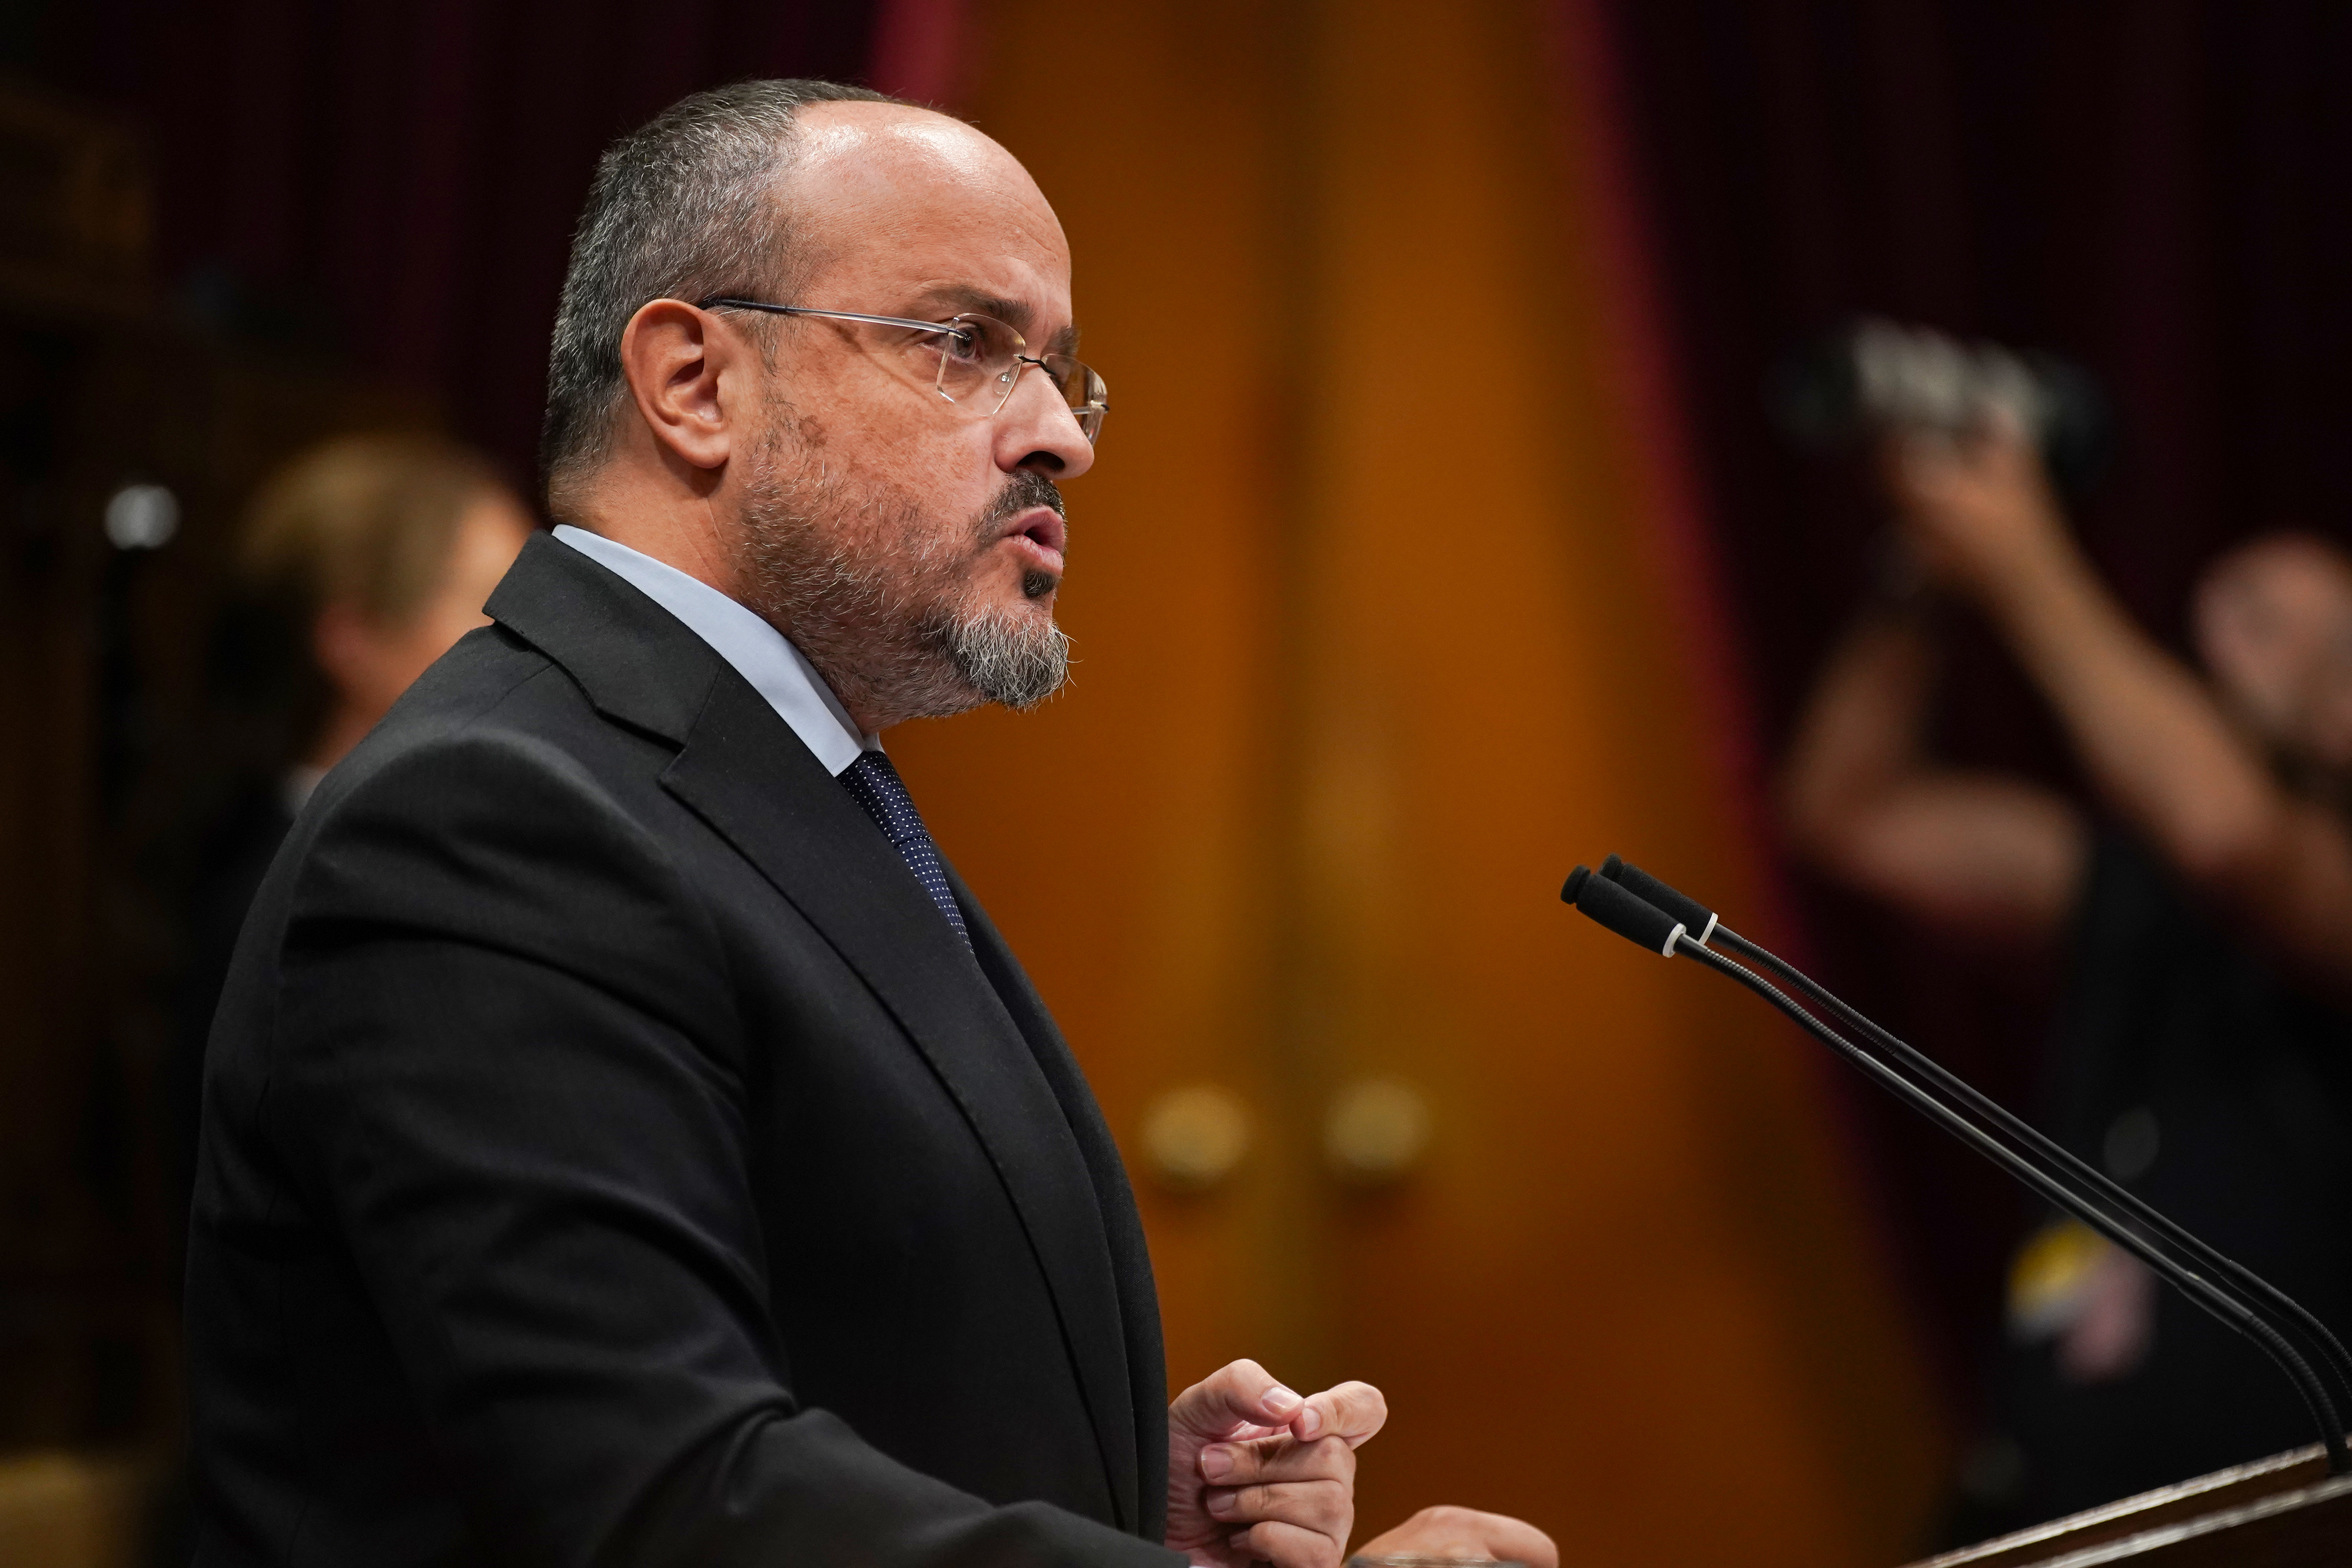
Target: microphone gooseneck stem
[2220,1302]
[2328,1351]
[2282,1311]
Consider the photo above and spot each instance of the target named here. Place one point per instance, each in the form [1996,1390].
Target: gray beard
[883,602]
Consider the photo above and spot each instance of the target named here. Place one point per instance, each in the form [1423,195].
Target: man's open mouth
[1040,536]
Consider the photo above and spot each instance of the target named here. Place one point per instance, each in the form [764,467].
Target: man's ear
[690,376]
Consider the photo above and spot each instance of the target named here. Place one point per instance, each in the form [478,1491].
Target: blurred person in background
[369,556]
[2203,902]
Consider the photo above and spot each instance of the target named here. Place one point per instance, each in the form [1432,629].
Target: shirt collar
[761,654]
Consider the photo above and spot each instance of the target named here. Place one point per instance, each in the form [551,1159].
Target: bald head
[887,202]
[888,174]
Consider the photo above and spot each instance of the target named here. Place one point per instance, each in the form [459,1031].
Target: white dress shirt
[760,653]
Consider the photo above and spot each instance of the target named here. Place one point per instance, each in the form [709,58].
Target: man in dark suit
[627,1139]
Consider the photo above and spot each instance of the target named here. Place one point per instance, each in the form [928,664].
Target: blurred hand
[1977,508]
[1256,1474]
[1466,1533]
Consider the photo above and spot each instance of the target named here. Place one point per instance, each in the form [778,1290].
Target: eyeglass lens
[982,362]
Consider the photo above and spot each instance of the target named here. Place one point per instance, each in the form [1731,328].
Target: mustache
[1022,491]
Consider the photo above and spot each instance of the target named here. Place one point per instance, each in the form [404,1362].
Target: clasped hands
[1258,1474]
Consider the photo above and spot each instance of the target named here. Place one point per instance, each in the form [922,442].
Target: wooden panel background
[1377,637]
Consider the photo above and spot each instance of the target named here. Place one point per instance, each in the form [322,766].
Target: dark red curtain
[2156,188]
[394,181]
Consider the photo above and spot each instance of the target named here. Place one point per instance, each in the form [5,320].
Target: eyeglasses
[980,360]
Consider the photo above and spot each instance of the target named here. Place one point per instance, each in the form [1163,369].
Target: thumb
[1241,1393]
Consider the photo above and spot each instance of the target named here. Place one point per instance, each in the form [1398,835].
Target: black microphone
[2282,1310]
[1623,912]
[1617,897]
[1649,890]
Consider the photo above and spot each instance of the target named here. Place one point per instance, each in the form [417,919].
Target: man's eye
[963,344]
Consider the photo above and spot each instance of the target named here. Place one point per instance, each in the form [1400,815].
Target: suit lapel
[1122,1225]
[744,772]
[637,663]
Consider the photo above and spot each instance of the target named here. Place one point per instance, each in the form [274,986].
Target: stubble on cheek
[889,598]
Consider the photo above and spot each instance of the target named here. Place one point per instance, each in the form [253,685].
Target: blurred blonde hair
[363,519]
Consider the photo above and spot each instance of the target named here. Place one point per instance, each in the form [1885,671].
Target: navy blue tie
[875,784]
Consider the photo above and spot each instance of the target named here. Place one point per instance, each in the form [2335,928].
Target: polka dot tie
[875,784]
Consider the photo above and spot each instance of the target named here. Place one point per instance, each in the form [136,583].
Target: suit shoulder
[493,705]
[489,671]
[497,808]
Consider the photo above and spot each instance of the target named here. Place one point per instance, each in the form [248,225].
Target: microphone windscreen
[1575,884]
[1610,905]
[1649,890]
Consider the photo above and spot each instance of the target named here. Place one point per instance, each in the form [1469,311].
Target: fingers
[1354,1411]
[1931,468]
[1277,1458]
[1259,1473]
[1327,1507]
[1287,1546]
[1237,1394]
[1446,1531]
[1307,1487]
[1244,1393]
[1934,467]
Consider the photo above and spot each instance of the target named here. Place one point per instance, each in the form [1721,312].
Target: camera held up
[1876,375]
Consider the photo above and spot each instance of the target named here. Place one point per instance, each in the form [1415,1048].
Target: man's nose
[1037,430]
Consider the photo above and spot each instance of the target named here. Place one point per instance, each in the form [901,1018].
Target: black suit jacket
[611,1156]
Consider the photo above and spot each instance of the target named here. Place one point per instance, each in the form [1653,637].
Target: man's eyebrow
[959,297]
[1013,312]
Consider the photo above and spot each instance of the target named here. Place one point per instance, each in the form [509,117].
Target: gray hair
[680,208]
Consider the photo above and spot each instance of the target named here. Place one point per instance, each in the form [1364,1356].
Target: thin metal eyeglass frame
[1099,407]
